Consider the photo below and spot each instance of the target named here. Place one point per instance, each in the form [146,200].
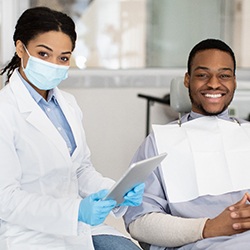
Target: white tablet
[135,174]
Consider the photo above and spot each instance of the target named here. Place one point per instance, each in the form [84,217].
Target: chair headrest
[179,96]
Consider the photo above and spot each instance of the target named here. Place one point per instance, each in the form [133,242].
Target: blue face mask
[44,75]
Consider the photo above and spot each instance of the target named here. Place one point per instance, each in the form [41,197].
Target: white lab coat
[39,182]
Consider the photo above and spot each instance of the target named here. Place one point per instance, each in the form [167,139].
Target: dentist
[50,194]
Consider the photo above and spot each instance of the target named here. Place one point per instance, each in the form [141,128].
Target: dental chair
[177,99]
[179,96]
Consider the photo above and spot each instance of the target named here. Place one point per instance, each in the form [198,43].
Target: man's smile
[213,95]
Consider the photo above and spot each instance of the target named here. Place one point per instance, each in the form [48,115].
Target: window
[137,34]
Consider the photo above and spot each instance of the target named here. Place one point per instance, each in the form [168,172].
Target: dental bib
[206,156]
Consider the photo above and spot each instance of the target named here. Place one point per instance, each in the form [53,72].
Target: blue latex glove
[93,210]
[134,196]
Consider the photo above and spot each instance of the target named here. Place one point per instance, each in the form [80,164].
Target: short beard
[205,112]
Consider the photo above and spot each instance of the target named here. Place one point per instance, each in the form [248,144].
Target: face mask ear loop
[27,53]
[26,50]
[22,63]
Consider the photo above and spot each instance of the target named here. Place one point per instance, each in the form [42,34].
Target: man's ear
[186,80]
[235,83]
[19,49]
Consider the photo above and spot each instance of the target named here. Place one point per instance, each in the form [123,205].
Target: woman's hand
[93,210]
[134,196]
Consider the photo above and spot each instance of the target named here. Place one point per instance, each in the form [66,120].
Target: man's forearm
[166,230]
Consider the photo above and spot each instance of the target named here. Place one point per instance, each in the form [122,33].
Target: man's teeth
[213,95]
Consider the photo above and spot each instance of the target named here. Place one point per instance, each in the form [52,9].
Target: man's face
[211,82]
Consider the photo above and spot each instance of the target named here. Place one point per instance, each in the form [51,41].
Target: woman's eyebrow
[67,52]
[48,48]
[44,46]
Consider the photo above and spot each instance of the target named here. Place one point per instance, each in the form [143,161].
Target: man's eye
[201,75]
[225,76]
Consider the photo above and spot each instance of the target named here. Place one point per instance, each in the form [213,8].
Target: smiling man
[210,78]
[199,197]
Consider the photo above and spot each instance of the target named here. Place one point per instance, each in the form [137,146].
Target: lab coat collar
[35,116]
[35,95]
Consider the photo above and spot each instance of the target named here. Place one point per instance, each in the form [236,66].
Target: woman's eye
[43,54]
[65,59]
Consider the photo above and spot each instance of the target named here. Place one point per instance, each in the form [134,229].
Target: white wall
[115,123]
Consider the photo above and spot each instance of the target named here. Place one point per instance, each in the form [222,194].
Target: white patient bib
[206,156]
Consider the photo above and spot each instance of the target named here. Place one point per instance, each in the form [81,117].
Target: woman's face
[53,46]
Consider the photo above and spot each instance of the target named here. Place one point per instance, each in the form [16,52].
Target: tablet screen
[135,174]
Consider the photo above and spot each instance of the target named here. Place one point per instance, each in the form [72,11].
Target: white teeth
[213,95]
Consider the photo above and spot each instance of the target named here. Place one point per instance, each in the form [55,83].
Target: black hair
[210,44]
[35,21]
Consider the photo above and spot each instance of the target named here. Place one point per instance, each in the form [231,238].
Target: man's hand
[241,214]
[233,220]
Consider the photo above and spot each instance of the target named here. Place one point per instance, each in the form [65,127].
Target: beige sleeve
[166,230]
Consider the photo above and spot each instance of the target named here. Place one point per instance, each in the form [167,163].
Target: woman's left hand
[134,196]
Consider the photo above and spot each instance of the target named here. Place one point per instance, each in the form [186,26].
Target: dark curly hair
[35,21]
